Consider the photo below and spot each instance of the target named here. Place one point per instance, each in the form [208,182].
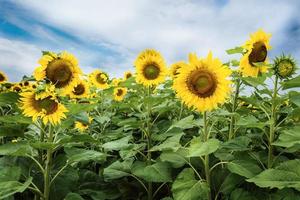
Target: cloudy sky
[109,34]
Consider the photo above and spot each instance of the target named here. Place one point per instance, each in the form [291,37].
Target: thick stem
[233,109]
[149,143]
[206,158]
[272,123]
[48,167]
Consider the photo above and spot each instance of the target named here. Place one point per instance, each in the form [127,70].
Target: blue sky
[109,34]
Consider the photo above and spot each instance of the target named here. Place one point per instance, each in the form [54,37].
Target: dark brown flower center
[79,89]
[202,83]
[175,71]
[258,53]
[128,75]
[59,72]
[2,78]
[119,92]
[26,83]
[48,104]
[17,89]
[100,79]
[151,71]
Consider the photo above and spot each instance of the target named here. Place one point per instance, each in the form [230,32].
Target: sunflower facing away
[203,84]
[99,79]
[47,108]
[60,69]
[257,50]
[175,67]
[81,90]
[3,77]
[119,93]
[150,68]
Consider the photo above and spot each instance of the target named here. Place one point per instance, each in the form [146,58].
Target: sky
[108,35]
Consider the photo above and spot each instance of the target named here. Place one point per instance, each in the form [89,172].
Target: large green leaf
[176,159]
[172,143]
[10,173]
[8,98]
[198,148]
[118,169]
[185,123]
[117,144]
[186,187]
[158,172]
[16,149]
[289,138]
[73,196]
[292,83]
[286,175]
[81,155]
[244,168]
[240,194]
[9,188]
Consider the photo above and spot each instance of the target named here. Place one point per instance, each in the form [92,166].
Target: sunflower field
[199,129]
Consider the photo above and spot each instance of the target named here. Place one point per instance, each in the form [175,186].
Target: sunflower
[99,79]
[81,126]
[115,82]
[3,77]
[119,93]
[47,108]
[203,84]
[60,69]
[81,90]
[175,67]
[17,87]
[285,66]
[127,75]
[257,49]
[150,68]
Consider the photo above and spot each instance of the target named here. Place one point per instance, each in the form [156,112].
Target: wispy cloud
[109,34]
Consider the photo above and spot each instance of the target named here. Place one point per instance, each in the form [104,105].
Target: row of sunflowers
[199,129]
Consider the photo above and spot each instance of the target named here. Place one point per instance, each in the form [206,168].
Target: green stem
[272,123]
[206,158]
[149,143]
[48,167]
[233,109]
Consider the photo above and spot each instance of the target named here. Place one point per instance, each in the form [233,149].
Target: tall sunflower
[203,84]
[62,70]
[47,108]
[257,50]
[175,67]
[119,93]
[3,77]
[81,90]
[150,68]
[99,79]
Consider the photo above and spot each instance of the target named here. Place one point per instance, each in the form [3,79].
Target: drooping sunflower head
[203,84]
[62,70]
[284,66]
[150,68]
[3,77]
[81,126]
[47,108]
[81,90]
[99,79]
[254,61]
[119,93]
[127,75]
[175,67]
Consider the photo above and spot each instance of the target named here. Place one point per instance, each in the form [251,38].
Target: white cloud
[17,58]
[173,27]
